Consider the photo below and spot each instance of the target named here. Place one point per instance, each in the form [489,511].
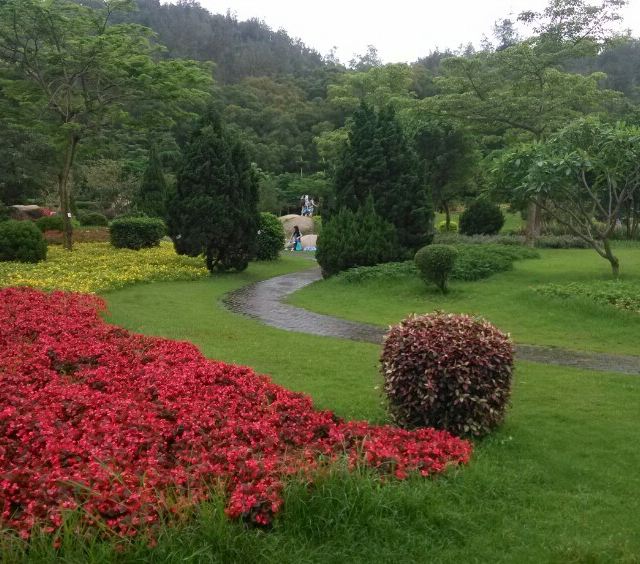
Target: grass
[557,483]
[506,299]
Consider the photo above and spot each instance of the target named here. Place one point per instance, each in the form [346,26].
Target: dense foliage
[359,238]
[447,371]
[136,232]
[151,198]
[621,295]
[270,237]
[435,264]
[476,262]
[21,241]
[93,219]
[128,428]
[481,217]
[378,161]
[214,211]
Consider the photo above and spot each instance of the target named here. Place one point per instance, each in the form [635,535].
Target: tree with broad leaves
[81,73]
[584,177]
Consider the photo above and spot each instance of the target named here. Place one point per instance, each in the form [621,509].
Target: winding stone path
[263,301]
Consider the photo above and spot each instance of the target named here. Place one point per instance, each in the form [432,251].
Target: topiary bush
[447,371]
[270,237]
[442,227]
[136,232]
[435,264]
[21,241]
[482,217]
[360,238]
[94,219]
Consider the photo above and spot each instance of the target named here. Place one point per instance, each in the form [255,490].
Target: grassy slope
[556,484]
[505,299]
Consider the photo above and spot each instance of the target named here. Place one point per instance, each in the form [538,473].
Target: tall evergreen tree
[214,211]
[379,161]
[152,196]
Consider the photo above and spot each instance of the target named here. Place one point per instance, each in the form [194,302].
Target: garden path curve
[263,301]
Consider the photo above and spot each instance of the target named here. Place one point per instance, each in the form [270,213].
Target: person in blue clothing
[296,239]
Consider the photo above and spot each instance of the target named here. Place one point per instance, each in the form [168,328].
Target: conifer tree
[379,161]
[214,211]
[152,196]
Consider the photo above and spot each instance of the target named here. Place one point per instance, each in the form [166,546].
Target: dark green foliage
[21,241]
[378,161]
[360,238]
[93,219]
[53,223]
[5,213]
[214,211]
[136,232]
[561,242]
[152,197]
[435,264]
[270,237]
[482,217]
[447,371]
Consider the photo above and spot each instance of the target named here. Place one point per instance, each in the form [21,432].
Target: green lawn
[506,299]
[557,483]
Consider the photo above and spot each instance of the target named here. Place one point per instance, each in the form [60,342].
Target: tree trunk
[615,263]
[534,217]
[65,193]
[447,215]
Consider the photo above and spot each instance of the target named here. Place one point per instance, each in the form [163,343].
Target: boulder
[305,224]
[309,241]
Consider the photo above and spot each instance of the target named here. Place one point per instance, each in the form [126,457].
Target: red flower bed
[128,427]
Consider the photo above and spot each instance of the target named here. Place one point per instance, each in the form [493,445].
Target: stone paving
[263,301]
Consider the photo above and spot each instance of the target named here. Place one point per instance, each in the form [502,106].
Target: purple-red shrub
[447,371]
[125,428]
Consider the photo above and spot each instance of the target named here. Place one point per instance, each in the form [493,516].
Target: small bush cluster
[54,223]
[481,217]
[442,227]
[360,238]
[561,242]
[447,371]
[458,239]
[270,237]
[21,241]
[384,271]
[621,295]
[123,428]
[435,264]
[5,212]
[476,262]
[136,232]
[93,219]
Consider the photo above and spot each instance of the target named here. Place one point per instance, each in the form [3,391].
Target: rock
[305,224]
[308,241]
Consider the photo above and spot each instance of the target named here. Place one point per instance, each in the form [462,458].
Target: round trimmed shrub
[435,264]
[136,232]
[54,223]
[93,219]
[270,237]
[21,241]
[482,217]
[447,371]
[442,227]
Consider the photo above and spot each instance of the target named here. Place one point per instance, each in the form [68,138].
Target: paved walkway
[263,301]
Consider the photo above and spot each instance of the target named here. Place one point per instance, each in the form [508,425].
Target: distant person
[312,207]
[306,206]
[295,243]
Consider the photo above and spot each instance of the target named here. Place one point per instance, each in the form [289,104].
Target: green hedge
[136,232]
[93,219]
[270,237]
[21,241]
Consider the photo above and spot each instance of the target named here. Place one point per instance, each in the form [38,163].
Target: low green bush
[458,239]
[442,227]
[380,271]
[93,219]
[21,241]
[360,238]
[136,232]
[270,237]
[561,242]
[435,264]
[54,223]
[5,212]
[621,295]
[447,371]
[481,217]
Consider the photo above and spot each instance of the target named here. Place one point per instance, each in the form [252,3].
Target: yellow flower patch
[98,267]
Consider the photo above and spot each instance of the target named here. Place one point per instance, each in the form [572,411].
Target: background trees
[152,196]
[214,211]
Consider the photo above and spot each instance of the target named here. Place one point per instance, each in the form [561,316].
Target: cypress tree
[214,211]
[379,160]
[152,196]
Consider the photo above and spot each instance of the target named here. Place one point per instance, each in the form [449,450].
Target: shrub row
[621,295]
